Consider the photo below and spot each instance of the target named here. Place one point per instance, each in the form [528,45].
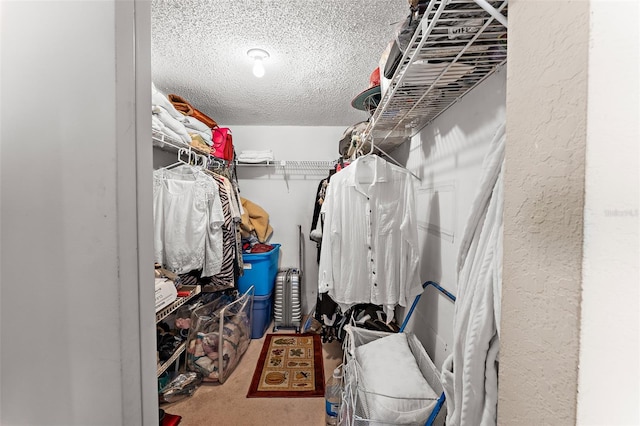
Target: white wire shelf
[179,351]
[457,44]
[167,143]
[298,166]
[168,310]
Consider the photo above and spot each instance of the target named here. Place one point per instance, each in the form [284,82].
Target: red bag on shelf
[222,143]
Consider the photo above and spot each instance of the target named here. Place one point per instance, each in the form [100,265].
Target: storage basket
[361,406]
[261,315]
[259,270]
[219,335]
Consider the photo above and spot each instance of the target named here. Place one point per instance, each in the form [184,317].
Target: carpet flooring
[227,404]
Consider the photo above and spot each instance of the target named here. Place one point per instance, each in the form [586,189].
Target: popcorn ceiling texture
[543,213]
[322,53]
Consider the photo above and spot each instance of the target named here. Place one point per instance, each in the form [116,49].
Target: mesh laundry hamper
[363,406]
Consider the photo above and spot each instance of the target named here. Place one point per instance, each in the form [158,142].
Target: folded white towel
[171,136]
[196,124]
[255,156]
[172,123]
[159,99]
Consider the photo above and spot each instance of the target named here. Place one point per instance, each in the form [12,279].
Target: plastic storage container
[219,335]
[260,315]
[260,270]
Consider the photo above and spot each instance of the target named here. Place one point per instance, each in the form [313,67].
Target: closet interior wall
[447,155]
[288,194]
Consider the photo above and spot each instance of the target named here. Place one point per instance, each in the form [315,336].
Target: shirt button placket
[370,250]
[369,235]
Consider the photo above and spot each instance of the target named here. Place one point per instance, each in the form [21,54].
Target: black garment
[328,314]
[320,194]
[315,234]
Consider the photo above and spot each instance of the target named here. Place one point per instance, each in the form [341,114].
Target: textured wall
[543,217]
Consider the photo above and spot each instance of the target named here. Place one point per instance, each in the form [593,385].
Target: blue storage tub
[260,315]
[260,270]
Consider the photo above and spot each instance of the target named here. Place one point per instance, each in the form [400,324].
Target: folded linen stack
[174,117]
[167,119]
[255,156]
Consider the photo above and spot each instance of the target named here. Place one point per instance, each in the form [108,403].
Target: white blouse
[187,219]
[370,248]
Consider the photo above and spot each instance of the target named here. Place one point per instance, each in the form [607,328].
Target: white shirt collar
[381,170]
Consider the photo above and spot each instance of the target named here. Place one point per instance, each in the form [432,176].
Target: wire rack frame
[457,44]
[295,166]
[167,143]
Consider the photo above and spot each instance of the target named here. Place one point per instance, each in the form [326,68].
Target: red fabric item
[261,248]
[171,420]
[222,143]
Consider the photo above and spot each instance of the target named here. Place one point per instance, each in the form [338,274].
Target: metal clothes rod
[207,160]
[163,140]
[394,160]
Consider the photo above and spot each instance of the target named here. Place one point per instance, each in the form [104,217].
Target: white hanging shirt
[187,219]
[369,248]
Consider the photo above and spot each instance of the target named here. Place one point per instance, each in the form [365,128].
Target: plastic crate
[260,270]
[260,315]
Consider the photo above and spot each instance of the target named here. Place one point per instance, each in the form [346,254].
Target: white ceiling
[322,53]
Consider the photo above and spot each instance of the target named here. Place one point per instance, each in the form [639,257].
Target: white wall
[609,373]
[448,155]
[288,198]
[70,333]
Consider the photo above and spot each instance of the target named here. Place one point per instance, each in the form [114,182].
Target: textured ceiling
[322,53]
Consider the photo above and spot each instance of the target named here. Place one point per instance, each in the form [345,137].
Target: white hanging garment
[370,248]
[188,219]
[469,374]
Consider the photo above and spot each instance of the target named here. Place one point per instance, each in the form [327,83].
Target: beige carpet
[227,404]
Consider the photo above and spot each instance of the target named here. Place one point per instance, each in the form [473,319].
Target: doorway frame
[134,209]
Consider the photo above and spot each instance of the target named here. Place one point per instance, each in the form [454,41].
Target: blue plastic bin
[260,315]
[260,270]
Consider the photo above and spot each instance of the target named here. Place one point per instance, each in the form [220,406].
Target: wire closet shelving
[294,166]
[457,44]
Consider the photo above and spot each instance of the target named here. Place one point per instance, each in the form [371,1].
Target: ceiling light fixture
[258,55]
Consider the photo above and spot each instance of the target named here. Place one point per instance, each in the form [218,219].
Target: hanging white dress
[188,219]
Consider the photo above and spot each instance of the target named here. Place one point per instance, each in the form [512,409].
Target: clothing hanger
[204,160]
[393,160]
[180,162]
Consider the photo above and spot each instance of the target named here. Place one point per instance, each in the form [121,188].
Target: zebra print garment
[225,278]
[236,209]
